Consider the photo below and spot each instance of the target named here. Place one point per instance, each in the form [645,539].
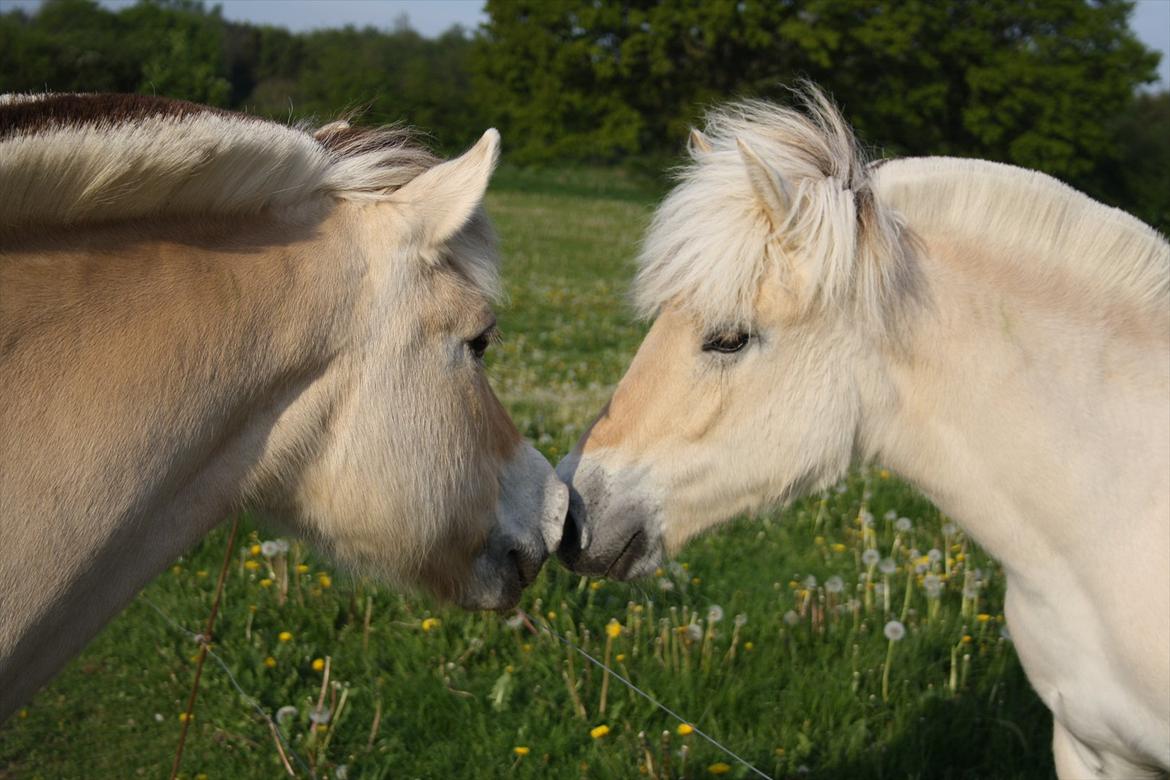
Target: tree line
[1048,84]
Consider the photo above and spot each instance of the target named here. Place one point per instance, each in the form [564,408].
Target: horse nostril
[572,539]
[526,566]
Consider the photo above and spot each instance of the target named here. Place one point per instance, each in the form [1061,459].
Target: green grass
[800,696]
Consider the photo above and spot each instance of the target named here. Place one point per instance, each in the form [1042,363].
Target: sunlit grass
[769,635]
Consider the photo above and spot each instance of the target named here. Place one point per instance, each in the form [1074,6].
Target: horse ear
[445,197]
[698,143]
[773,193]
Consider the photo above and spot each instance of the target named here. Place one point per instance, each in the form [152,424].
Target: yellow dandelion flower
[302,568]
[967,639]
[719,768]
[526,647]
[819,540]
[793,584]
[22,714]
[659,572]
[552,615]
[521,750]
[265,583]
[696,580]
[325,580]
[983,617]
[686,567]
[254,549]
[509,668]
[251,565]
[595,585]
[684,729]
[322,728]
[270,662]
[613,629]
[597,732]
[884,473]
[620,657]
[430,623]
[176,570]
[201,573]
[184,717]
[749,646]
[201,776]
[284,636]
[839,548]
[318,664]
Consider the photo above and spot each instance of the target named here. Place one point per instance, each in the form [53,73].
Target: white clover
[834,584]
[871,557]
[791,618]
[714,613]
[903,524]
[887,566]
[894,630]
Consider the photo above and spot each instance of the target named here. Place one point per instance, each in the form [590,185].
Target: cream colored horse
[201,309]
[996,337]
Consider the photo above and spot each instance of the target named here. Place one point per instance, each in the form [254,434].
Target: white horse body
[987,332]
[1045,431]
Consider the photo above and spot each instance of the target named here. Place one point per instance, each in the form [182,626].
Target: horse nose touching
[604,536]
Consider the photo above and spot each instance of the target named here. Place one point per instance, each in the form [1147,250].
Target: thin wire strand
[643,694]
[247,697]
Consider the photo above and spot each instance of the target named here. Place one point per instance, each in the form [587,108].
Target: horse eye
[726,343]
[479,344]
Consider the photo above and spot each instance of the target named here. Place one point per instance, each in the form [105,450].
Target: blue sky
[1151,19]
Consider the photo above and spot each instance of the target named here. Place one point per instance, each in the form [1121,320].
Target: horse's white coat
[989,333]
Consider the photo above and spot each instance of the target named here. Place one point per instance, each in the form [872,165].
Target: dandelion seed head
[887,566]
[320,715]
[903,524]
[932,584]
[665,585]
[269,549]
[949,529]
[894,630]
[791,618]
[516,622]
[870,557]
[714,613]
[834,584]
[889,515]
[809,582]
[694,632]
[740,620]
[935,555]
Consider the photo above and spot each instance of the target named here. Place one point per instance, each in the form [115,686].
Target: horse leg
[1077,761]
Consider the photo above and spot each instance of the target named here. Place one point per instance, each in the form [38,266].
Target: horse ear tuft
[773,194]
[445,197]
[698,143]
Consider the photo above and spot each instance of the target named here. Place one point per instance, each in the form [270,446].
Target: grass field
[797,676]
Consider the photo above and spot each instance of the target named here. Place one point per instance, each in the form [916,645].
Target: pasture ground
[421,690]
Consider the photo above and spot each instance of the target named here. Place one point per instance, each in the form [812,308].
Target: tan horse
[996,337]
[200,310]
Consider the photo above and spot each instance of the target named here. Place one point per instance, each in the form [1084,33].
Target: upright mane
[710,244]
[1108,254]
[69,159]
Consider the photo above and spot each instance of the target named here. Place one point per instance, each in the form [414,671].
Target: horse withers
[994,336]
[201,310]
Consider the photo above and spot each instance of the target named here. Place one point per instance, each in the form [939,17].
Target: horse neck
[1021,410]
[154,378]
